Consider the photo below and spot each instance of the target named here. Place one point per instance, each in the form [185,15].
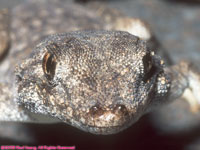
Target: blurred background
[176,25]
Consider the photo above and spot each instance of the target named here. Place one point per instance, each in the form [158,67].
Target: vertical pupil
[149,67]
[49,65]
[147,61]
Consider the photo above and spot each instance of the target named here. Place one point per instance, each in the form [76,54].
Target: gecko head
[100,81]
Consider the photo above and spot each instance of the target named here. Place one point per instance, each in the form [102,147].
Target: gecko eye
[149,68]
[49,65]
[147,62]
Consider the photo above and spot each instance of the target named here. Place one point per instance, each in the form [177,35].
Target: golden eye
[49,65]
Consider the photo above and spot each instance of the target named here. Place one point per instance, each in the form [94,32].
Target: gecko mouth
[102,121]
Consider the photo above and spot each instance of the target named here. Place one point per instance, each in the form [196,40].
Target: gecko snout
[106,117]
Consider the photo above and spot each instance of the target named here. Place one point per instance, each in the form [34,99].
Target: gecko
[90,67]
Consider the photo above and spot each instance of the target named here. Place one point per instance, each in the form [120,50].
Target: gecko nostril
[96,110]
[120,109]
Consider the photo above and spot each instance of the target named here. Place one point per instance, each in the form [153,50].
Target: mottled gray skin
[98,81]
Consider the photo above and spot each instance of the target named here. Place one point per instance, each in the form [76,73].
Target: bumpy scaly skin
[100,89]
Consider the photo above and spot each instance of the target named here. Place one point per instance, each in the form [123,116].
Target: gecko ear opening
[49,65]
